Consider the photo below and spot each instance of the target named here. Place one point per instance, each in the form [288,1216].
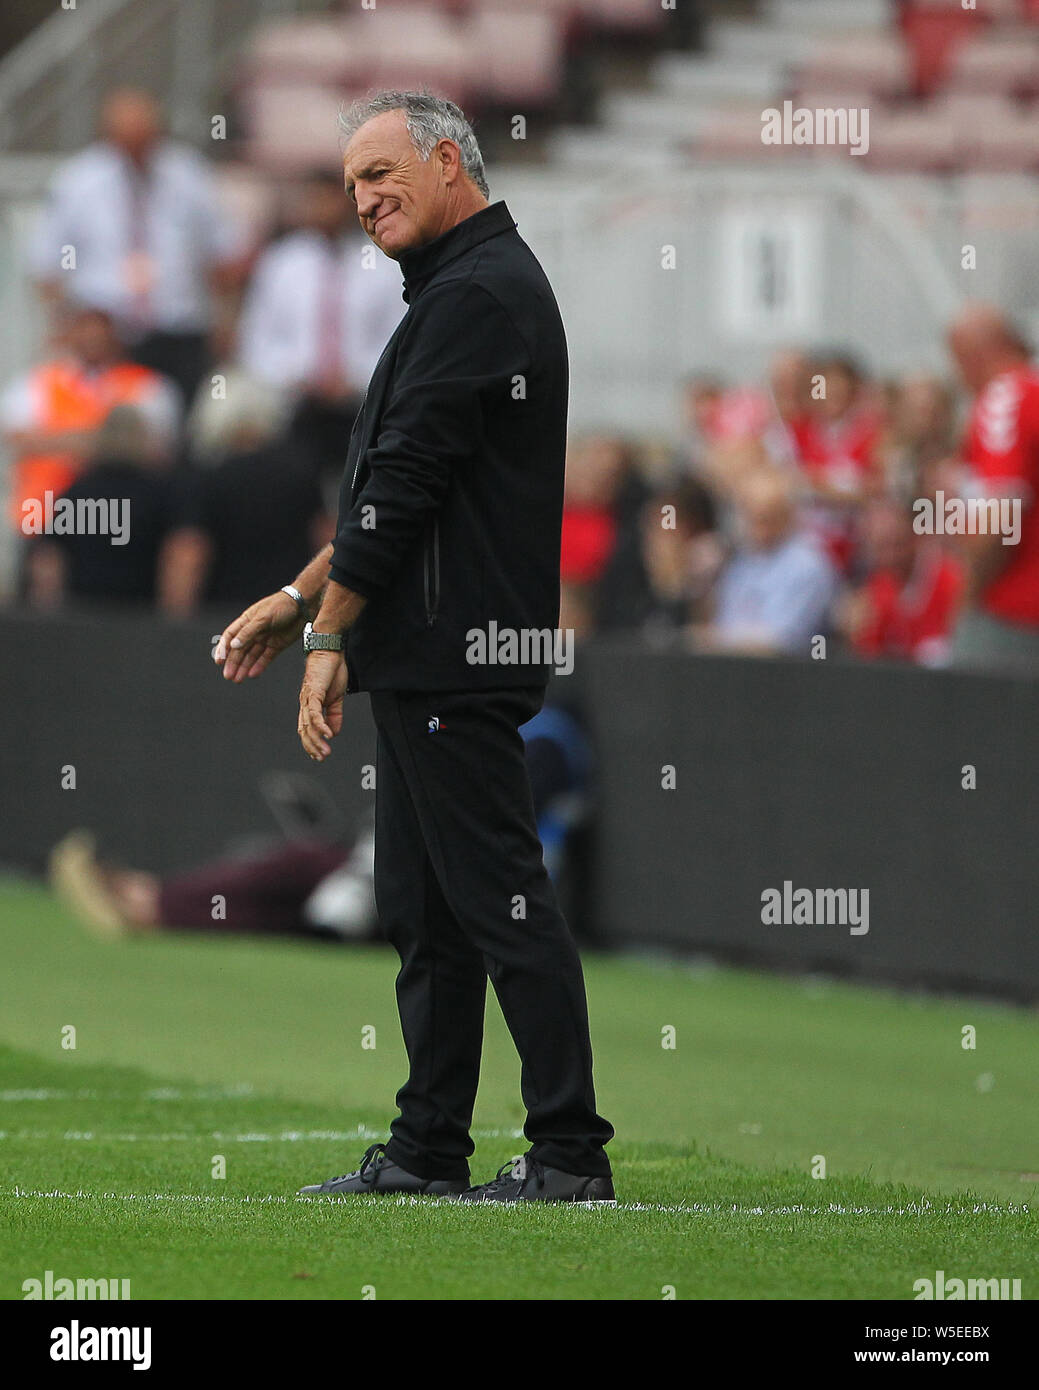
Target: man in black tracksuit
[449,531]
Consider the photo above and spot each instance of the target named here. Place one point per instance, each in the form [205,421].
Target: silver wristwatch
[322,641]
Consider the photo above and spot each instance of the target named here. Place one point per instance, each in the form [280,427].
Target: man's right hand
[249,645]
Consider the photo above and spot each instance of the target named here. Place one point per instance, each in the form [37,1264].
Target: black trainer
[382,1176]
[526,1180]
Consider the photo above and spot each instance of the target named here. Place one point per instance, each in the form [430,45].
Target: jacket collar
[420,264]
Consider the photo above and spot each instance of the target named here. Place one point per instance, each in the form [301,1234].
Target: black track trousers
[463,894]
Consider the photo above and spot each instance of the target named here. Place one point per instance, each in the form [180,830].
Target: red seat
[934,32]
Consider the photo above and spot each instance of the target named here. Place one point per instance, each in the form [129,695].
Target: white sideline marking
[288,1136]
[156,1093]
[693,1208]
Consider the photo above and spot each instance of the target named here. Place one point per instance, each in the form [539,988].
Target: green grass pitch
[188,1049]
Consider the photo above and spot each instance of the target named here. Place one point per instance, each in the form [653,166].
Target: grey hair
[429,118]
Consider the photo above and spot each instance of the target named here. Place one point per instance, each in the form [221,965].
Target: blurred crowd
[211,383]
[214,385]
[824,509]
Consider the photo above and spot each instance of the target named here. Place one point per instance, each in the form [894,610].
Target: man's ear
[450,156]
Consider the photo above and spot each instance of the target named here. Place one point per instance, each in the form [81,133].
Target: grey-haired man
[449,525]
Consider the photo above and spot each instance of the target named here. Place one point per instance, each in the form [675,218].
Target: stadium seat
[706,80]
[517,56]
[300,50]
[292,126]
[818,16]
[412,45]
[919,139]
[628,15]
[737,135]
[878,63]
[1011,146]
[652,116]
[739,41]
[585,152]
[1002,61]
[826,99]
[567,14]
[934,30]
[1002,11]
[969,111]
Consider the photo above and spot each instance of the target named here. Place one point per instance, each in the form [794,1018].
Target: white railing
[49,84]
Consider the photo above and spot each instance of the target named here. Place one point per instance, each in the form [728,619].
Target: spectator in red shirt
[848,427]
[792,437]
[594,468]
[840,455]
[906,609]
[999,629]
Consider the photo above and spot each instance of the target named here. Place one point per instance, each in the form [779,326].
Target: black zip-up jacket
[451,502]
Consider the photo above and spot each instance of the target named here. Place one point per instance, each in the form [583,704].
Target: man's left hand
[321,702]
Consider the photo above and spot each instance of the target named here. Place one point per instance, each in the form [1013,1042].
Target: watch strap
[322,641]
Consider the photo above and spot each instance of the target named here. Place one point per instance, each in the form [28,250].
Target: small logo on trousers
[434,725]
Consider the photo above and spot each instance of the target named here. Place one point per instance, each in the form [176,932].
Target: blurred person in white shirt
[320,308]
[133,225]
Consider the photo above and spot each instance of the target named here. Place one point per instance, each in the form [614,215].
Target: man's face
[971,361]
[767,523]
[131,121]
[921,408]
[889,540]
[766,512]
[790,382]
[701,407]
[91,336]
[841,390]
[400,198]
[322,208]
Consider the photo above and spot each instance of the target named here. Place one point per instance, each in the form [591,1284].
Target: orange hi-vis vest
[71,399]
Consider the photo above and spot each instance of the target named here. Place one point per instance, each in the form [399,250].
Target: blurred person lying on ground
[906,609]
[318,881]
[50,415]
[775,593]
[123,545]
[256,507]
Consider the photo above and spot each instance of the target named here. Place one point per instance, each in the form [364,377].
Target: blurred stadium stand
[954,136]
[643,134]
[773,245]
